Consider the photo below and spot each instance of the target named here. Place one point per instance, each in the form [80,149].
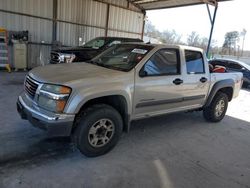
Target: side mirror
[143,73]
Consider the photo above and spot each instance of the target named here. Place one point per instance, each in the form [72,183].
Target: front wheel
[216,111]
[99,130]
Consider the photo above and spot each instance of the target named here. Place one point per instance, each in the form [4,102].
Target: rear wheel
[216,111]
[99,130]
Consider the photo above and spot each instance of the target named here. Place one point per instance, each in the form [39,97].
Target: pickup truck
[86,52]
[95,102]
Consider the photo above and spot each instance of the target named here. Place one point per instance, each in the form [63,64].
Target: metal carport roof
[161,4]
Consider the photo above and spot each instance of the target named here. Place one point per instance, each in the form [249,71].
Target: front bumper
[54,124]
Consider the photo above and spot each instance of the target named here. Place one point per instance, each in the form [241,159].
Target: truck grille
[54,58]
[30,86]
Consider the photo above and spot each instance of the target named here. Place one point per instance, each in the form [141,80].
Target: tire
[215,112]
[98,124]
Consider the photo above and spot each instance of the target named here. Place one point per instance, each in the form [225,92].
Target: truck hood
[82,54]
[68,73]
[74,49]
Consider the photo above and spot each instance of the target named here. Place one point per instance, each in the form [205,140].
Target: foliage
[172,37]
[169,37]
[231,38]
[231,42]
[193,39]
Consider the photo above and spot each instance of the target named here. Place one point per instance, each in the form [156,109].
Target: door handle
[203,79]
[178,81]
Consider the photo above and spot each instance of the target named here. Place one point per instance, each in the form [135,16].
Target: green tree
[230,41]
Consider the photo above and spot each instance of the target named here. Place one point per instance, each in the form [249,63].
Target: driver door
[158,87]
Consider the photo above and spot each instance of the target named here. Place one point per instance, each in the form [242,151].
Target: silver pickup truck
[95,101]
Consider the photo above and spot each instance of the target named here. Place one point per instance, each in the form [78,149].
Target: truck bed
[235,76]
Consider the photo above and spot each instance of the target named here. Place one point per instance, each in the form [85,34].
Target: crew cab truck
[95,102]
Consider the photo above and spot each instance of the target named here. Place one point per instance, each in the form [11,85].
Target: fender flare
[216,87]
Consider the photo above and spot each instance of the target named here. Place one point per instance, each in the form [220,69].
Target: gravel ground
[178,150]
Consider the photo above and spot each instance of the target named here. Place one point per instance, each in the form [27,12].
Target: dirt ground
[176,151]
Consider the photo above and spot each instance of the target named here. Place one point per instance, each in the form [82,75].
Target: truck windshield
[95,43]
[122,57]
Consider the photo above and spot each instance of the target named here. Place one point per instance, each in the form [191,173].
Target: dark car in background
[232,66]
[88,51]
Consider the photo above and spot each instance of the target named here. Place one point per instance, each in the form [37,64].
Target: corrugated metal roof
[160,4]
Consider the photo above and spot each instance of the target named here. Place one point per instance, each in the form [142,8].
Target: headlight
[67,58]
[53,97]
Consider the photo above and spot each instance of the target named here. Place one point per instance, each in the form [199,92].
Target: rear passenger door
[196,78]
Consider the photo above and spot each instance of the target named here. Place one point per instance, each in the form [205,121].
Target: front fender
[83,96]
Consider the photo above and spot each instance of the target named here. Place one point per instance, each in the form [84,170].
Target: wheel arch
[224,86]
[118,102]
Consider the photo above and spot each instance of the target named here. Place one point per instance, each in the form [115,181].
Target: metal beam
[143,25]
[115,5]
[54,27]
[212,29]
[163,4]
[210,2]
[107,21]
[209,14]
[24,14]
[136,5]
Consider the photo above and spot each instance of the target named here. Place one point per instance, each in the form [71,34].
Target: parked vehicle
[95,101]
[86,52]
[234,65]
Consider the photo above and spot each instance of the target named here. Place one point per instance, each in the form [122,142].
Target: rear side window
[194,62]
[163,62]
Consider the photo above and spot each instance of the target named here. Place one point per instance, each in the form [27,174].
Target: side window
[163,62]
[114,42]
[194,62]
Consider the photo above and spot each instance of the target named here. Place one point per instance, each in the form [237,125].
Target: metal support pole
[54,27]
[212,29]
[107,21]
[209,14]
[143,25]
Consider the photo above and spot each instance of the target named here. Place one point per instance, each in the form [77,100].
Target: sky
[231,16]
